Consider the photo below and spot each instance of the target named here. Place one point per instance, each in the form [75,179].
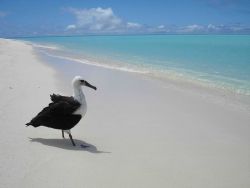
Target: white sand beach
[141,132]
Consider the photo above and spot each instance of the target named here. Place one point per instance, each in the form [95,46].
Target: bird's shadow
[66,144]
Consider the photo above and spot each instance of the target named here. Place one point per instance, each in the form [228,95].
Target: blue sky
[70,17]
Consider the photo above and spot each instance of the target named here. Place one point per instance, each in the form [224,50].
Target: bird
[64,112]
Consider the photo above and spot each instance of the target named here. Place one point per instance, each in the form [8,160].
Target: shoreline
[142,133]
[215,80]
[212,93]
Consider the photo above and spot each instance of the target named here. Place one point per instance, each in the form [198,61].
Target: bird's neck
[78,94]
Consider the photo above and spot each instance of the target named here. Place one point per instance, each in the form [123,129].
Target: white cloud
[69,27]
[100,20]
[104,20]
[213,28]
[133,25]
[236,28]
[161,27]
[210,28]
[233,28]
[96,19]
[192,28]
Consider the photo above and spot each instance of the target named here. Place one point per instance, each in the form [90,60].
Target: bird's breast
[81,110]
[79,96]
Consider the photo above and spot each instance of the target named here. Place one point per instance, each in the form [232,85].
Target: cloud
[212,27]
[134,25]
[104,20]
[161,27]
[69,27]
[191,28]
[96,19]
[201,29]
[100,20]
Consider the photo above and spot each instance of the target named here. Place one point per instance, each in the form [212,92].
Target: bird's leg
[70,136]
[62,133]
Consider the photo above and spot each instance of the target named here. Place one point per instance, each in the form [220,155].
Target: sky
[79,17]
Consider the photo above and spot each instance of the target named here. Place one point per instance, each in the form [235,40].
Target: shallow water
[221,61]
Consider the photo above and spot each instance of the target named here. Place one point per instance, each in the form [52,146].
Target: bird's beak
[89,85]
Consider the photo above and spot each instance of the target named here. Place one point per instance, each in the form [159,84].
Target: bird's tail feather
[31,123]
[28,124]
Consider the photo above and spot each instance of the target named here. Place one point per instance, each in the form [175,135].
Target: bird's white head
[79,81]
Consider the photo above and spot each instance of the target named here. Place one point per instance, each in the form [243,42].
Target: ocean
[220,61]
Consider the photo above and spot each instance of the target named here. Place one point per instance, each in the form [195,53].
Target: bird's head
[79,81]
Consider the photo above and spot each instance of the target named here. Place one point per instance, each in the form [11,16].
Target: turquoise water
[215,60]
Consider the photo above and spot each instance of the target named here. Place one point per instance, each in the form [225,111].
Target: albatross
[64,112]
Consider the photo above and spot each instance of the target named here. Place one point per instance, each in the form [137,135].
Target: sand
[141,132]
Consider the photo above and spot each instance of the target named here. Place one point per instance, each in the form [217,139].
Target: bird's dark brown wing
[58,98]
[59,108]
